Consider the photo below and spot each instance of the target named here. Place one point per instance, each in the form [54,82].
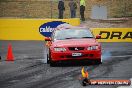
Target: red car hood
[74,42]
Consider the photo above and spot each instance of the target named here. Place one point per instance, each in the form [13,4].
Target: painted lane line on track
[126,86]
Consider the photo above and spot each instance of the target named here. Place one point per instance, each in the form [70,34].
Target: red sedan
[73,44]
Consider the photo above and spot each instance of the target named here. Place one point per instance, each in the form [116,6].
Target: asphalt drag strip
[29,71]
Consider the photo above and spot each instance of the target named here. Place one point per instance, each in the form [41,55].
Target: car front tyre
[97,62]
[52,63]
[48,59]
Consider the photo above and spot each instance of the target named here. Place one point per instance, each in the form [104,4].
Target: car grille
[69,56]
[76,48]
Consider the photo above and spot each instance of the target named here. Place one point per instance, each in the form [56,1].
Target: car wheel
[52,63]
[97,62]
[48,59]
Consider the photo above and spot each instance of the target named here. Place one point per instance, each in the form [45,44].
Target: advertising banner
[113,34]
[31,29]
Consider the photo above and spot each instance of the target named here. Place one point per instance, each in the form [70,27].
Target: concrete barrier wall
[27,29]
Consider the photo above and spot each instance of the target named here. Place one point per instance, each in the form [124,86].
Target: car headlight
[59,49]
[92,47]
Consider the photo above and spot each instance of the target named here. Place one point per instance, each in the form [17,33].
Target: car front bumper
[86,55]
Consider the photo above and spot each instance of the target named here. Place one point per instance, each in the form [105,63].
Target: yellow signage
[113,34]
[28,29]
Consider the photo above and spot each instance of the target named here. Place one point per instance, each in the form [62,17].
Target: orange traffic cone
[10,56]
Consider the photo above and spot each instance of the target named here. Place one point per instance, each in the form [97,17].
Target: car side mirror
[47,39]
[98,37]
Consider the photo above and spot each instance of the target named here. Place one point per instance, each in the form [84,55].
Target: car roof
[75,28]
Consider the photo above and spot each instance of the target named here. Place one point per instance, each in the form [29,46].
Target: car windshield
[72,34]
